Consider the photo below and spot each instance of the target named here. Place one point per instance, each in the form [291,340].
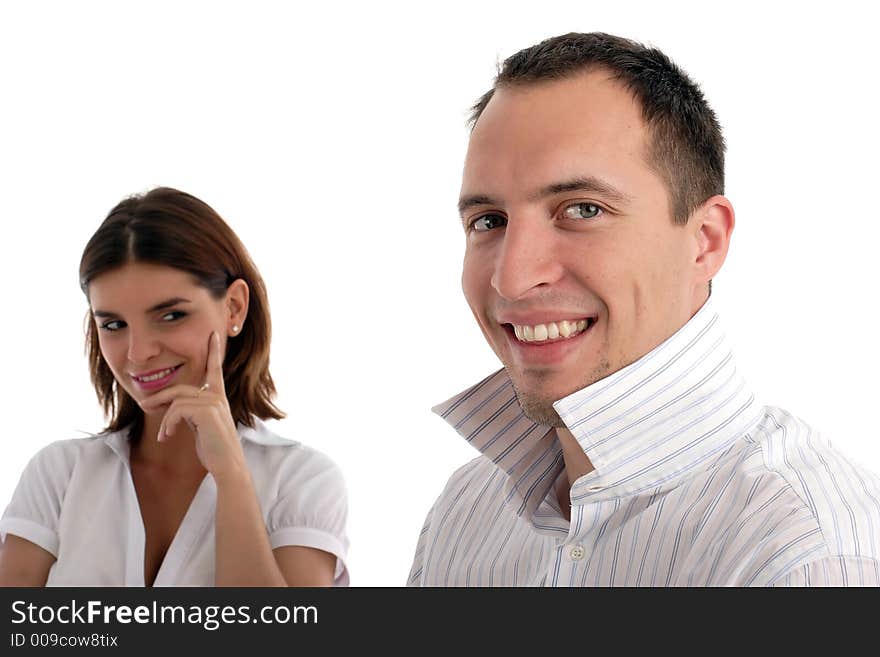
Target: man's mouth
[552,331]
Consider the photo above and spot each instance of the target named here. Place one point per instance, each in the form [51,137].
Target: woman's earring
[235,328]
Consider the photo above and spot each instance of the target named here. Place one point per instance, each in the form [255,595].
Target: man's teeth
[156,376]
[550,330]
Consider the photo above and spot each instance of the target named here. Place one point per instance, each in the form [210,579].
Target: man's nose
[527,259]
[142,345]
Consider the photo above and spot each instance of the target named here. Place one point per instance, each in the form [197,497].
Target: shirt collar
[258,434]
[679,407]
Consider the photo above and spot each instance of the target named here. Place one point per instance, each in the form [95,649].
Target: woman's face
[154,323]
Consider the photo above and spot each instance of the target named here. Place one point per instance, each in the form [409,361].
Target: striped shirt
[695,484]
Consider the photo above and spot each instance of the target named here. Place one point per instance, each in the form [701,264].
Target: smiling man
[620,444]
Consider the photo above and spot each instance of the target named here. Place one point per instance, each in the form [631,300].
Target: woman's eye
[581,211]
[488,222]
[113,325]
[173,315]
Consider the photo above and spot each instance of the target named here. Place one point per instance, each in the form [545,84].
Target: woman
[186,486]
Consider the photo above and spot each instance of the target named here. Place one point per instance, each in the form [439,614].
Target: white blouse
[76,499]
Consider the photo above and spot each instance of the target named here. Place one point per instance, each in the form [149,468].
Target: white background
[331,138]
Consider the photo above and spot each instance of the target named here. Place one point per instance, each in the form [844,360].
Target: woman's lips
[155,379]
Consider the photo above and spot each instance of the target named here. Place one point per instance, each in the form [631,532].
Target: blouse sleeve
[311,509]
[35,508]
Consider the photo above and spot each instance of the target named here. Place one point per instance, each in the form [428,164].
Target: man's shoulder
[474,474]
[792,447]
[795,467]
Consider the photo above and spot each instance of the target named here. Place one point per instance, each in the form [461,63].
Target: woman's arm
[23,563]
[244,556]
[243,553]
[305,566]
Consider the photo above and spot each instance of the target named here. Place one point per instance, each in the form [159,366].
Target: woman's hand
[206,411]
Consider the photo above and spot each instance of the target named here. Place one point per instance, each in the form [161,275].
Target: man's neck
[577,464]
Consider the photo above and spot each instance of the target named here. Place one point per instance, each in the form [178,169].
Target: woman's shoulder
[268,451]
[47,478]
[63,455]
[261,435]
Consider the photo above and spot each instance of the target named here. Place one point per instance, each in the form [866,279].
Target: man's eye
[488,222]
[113,325]
[173,316]
[581,211]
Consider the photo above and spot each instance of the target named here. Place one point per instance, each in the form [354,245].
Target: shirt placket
[579,552]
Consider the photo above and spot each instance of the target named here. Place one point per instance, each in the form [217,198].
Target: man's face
[574,267]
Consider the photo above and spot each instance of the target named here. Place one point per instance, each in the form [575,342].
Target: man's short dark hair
[687,147]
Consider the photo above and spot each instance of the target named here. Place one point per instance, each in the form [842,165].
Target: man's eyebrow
[162,305]
[590,184]
[465,203]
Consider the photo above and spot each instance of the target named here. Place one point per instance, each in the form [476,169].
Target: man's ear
[712,224]
[237,299]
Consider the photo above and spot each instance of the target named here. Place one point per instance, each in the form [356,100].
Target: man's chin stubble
[540,409]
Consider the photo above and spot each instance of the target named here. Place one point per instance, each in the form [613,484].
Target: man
[620,444]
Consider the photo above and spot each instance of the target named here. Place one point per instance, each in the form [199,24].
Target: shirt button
[577,553]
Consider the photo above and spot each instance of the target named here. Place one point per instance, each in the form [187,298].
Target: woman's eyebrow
[167,304]
[162,305]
